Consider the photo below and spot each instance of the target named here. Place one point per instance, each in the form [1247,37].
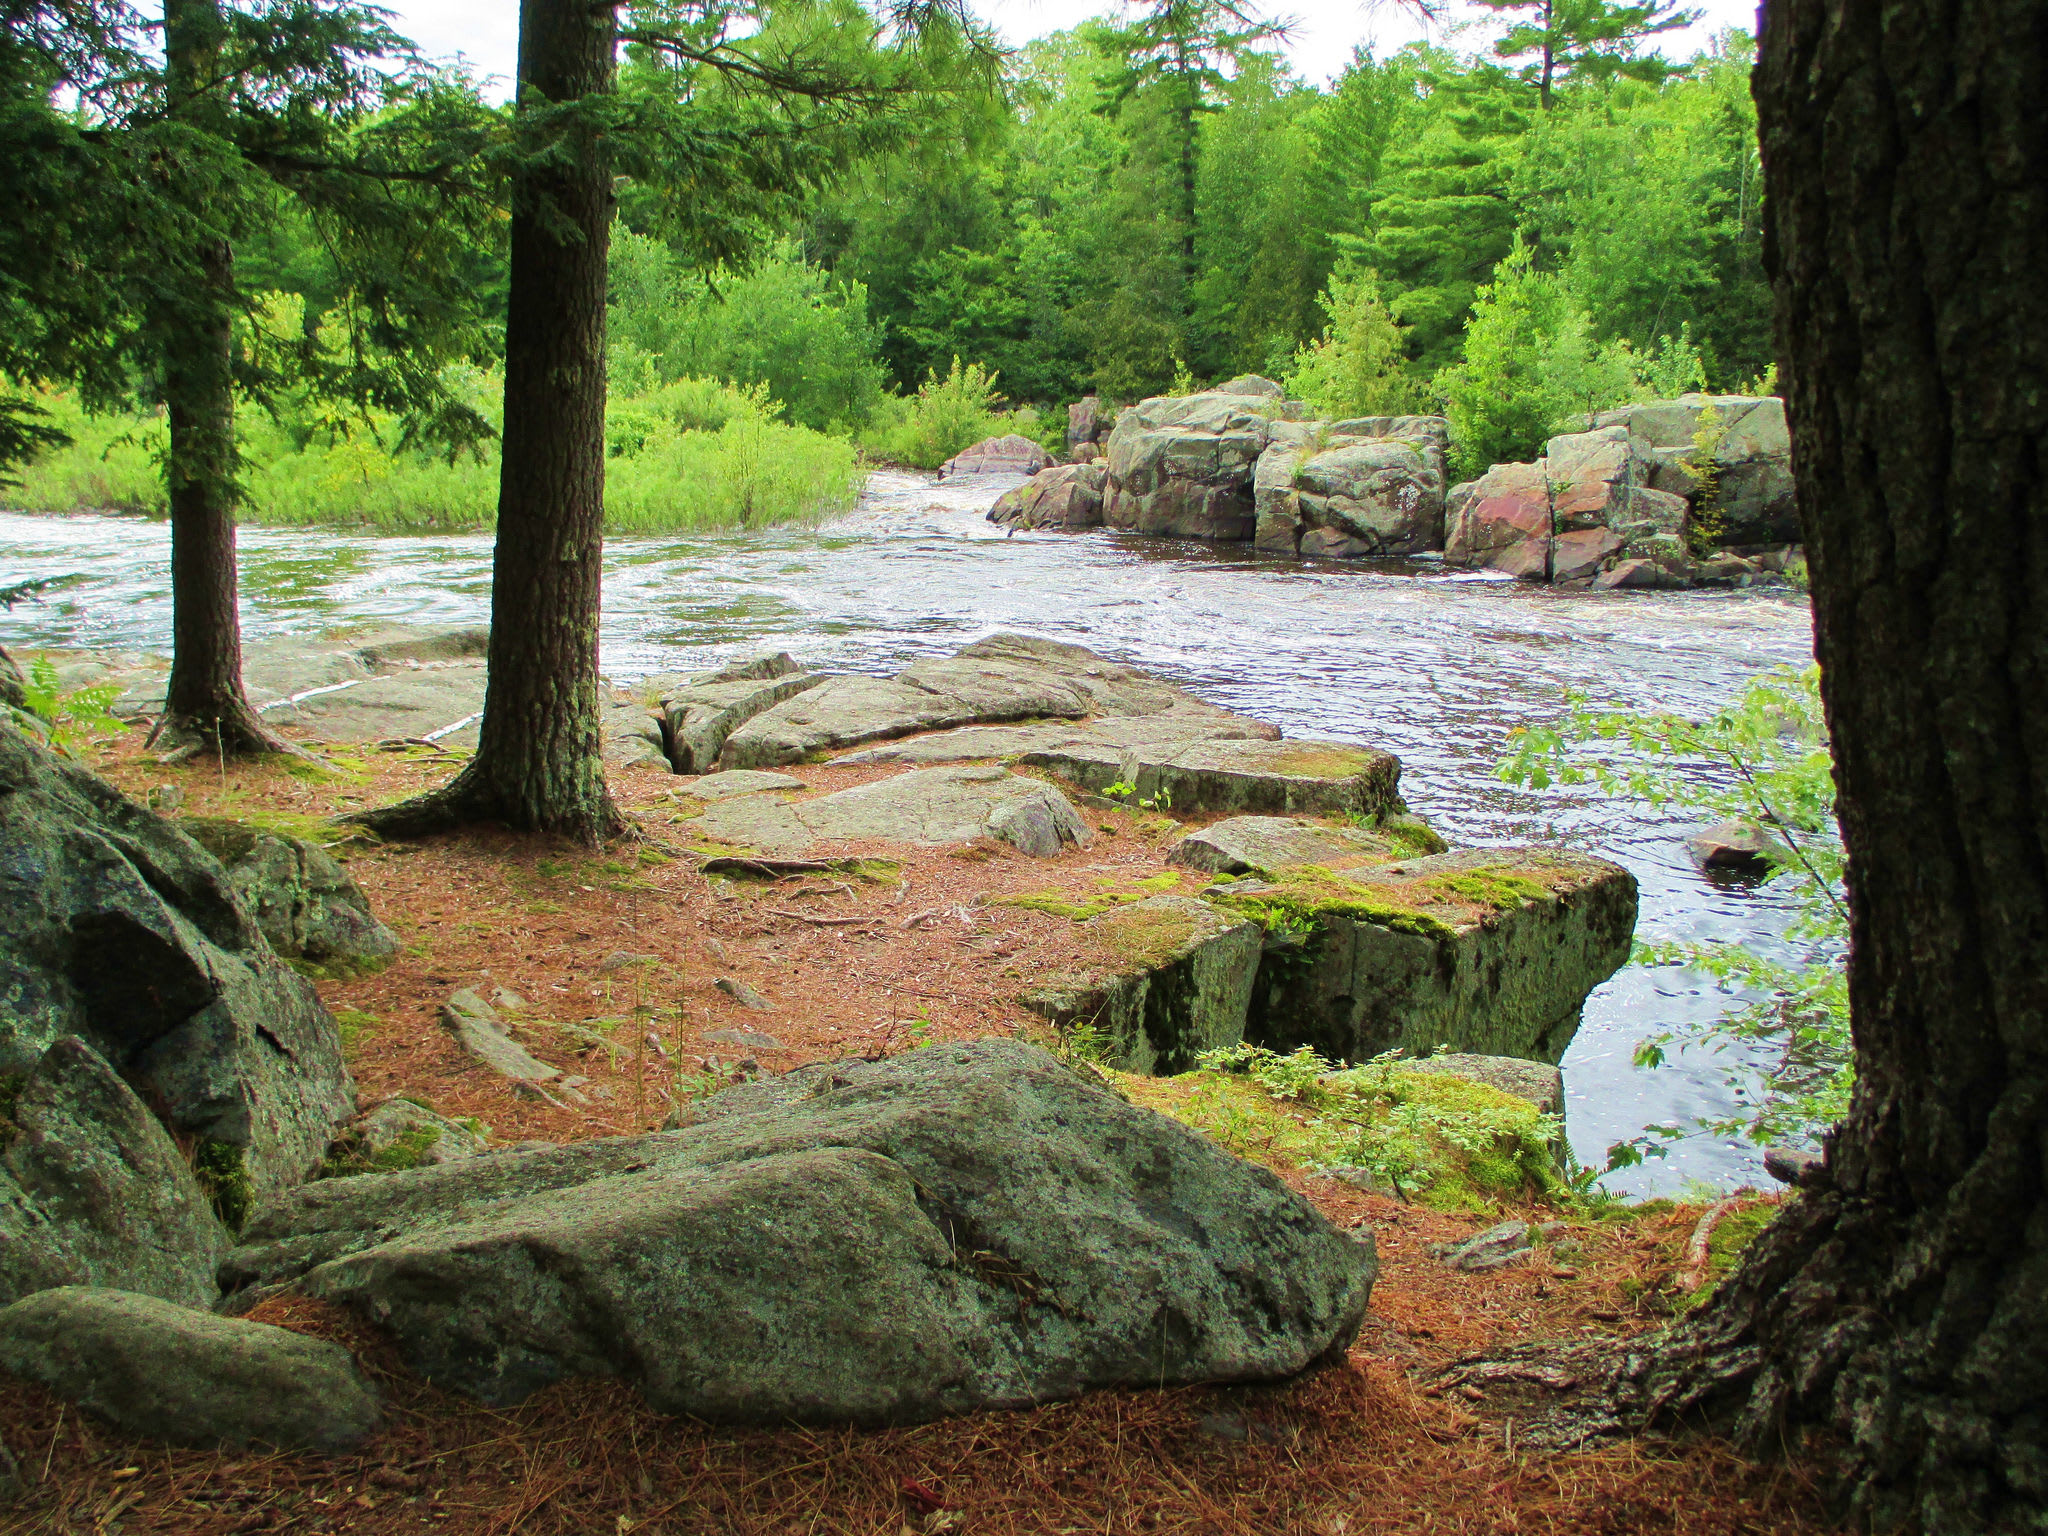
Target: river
[1436,667]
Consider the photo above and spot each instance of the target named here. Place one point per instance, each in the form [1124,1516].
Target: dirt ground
[626,946]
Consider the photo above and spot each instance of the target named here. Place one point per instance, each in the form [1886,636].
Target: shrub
[1359,366]
[943,417]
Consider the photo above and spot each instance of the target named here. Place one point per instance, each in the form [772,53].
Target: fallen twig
[824,922]
[1698,1247]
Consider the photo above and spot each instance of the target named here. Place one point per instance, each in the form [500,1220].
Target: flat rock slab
[1319,778]
[1175,979]
[701,716]
[929,806]
[479,1030]
[118,928]
[739,781]
[1244,844]
[1000,680]
[173,1373]
[980,743]
[93,1191]
[1536,1082]
[1488,951]
[962,1227]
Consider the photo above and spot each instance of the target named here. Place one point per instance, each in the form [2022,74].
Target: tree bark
[538,764]
[1900,1308]
[205,706]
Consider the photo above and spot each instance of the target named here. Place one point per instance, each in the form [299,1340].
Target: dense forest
[1508,232]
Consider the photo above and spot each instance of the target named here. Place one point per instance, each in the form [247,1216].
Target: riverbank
[1437,668]
[618,957]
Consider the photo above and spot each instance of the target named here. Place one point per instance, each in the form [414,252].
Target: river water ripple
[1437,667]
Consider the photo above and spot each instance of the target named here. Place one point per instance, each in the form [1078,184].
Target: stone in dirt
[1067,496]
[480,1031]
[1509,1243]
[1488,951]
[928,806]
[1175,979]
[401,1128]
[1010,455]
[166,1372]
[94,1192]
[118,928]
[746,1039]
[1327,778]
[961,1227]
[303,900]
[742,994]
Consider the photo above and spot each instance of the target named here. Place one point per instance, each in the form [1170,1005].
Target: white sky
[486,32]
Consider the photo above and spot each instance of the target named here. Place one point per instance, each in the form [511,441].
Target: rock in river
[117,928]
[966,1226]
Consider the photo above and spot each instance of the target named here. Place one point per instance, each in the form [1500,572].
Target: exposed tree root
[224,731]
[473,798]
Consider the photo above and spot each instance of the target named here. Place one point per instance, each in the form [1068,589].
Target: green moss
[340,968]
[1437,1141]
[1082,908]
[1496,886]
[353,1024]
[1318,762]
[1733,1233]
[1148,936]
[1411,837]
[1303,894]
[218,1165]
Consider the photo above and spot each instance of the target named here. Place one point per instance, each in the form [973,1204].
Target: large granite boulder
[1067,496]
[93,1191]
[1744,442]
[1011,455]
[1089,422]
[171,1373]
[1501,522]
[1167,978]
[1604,508]
[1371,486]
[305,903]
[966,1226]
[1181,466]
[119,929]
[928,806]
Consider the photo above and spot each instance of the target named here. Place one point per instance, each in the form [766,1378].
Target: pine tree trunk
[538,764]
[1900,1306]
[205,707]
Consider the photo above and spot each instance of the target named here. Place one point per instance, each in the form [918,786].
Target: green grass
[680,460]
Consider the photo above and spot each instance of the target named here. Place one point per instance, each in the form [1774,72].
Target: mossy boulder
[302,899]
[1488,951]
[1173,978]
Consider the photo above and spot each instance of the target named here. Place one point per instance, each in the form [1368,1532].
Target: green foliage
[1359,365]
[782,324]
[1762,762]
[223,1178]
[687,455]
[59,718]
[1532,359]
[1586,39]
[944,416]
